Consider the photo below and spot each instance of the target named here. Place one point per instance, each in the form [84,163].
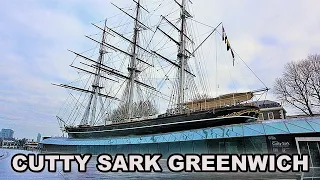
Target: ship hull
[167,124]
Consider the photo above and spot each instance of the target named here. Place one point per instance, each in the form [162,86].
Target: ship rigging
[116,101]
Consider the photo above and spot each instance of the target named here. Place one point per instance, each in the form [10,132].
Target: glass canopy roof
[268,127]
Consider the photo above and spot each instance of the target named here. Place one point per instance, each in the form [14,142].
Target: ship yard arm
[176,28]
[134,18]
[172,62]
[123,37]
[84,90]
[84,70]
[120,50]
[120,75]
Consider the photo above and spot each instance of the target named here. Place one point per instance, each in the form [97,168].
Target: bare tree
[314,83]
[139,109]
[299,85]
[201,97]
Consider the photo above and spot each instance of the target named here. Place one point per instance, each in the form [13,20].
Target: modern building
[30,146]
[270,110]
[300,135]
[6,143]
[39,137]
[6,134]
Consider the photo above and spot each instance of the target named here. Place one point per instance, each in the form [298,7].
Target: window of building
[260,116]
[270,115]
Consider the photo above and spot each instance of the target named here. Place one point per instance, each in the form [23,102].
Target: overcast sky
[35,36]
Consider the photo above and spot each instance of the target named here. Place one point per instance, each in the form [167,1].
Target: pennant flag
[228,45]
[232,54]
[223,33]
[226,41]
[232,57]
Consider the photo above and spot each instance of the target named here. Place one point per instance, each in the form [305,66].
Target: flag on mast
[223,33]
[232,57]
[232,53]
[228,45]
[226,41]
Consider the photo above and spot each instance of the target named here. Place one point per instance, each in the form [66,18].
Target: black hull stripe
[167,124]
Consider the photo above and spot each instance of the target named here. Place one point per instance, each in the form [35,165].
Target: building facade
[273,136]
[11,144]
[39,137]
[6,134]
[270,110]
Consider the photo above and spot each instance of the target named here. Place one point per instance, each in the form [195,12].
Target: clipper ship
[132,113]
[136,72]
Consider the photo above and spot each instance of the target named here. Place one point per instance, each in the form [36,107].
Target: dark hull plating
[194,120]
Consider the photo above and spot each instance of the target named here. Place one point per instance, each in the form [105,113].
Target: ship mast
[92,103]
[182,57]
[92,111]
[133,64]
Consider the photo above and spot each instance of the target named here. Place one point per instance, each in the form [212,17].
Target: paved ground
[7,173]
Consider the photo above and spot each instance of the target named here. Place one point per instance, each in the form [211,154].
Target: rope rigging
[143,78]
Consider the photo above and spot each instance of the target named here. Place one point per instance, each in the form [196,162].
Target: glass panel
[275,128]
[184,136]
[215,146]
[120,141]
[153,139]
[118,149]
[135,148]
[170,138]
[126,149]
[202,133]
[315,125]
[234,146]
[164,149]
[253,130]
[153,149]
[134,141]
[228,132]
[174,147]
[217,132]
[146,139]
[298,128]
[144,148]
[222,148]
[166,137]
[188,136]
[255,144]
[197,135]
[180,137]
[112,150]
[106,149]
[159,138]
[200,147]
[303,147]
[237,130]
[113,141]
[186,147]
[314,153]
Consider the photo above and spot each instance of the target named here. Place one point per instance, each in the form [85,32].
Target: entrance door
[310,146]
